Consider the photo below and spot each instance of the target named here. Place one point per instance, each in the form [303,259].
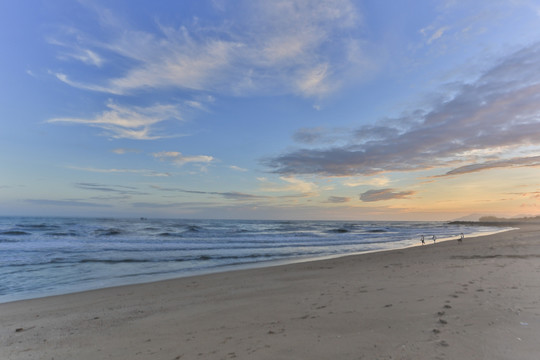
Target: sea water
[42,256]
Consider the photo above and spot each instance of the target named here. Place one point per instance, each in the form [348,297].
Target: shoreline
[473,300]
[246,266]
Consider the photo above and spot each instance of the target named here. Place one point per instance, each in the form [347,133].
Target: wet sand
[479,299]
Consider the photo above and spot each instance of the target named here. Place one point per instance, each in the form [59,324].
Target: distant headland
[497,221]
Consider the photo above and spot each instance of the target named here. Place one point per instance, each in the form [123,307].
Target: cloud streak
[291,184]
[435,35]
[117,189]
[233,195]
[230,195]
[70,203]
[510,163]
[500,110]
[384,194]
[179,159]
[124,122]
[338,199]
[143,172]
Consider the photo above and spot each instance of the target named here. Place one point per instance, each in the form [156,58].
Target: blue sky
[339,109]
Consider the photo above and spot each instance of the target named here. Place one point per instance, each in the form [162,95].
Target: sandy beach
[474,300]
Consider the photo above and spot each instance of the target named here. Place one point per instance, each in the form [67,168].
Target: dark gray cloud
[384,194]
[234,195]
[231,195]
[322,135]
[369,133]
[111,198]
[309,135]
[500,109]
[156,205]
[117,189]
[514,162]
[338,199]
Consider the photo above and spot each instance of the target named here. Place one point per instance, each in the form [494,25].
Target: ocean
[42,256]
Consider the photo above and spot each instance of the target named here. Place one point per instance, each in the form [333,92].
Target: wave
[37,248]
[238,257]
[68,233]
[38,226]
[194,228]
[113,261]
[196,258]
[151,229]
[14,233]
[108,232]
[168,234]
[338,231]
[241,231]
[182,259]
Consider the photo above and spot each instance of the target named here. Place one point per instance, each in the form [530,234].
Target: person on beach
[461,238]
[434,238]
[422,239]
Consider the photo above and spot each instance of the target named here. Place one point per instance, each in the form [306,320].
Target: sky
[247,109]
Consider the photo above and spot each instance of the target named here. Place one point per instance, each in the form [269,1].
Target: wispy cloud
[69,203]
[530,195]
[434,34]
[289,183]
[321,135]
[384,194]
[284,51]
[117,189]
[143,172]
[178,159]
[86,56]
[362,181]
[230,195]
[128,122]
[338,200]
[309,135]
[150,205]
[237,168]
[122,151]
[499,110]
[236,195]
[509,163]
[71,51]
[85,86]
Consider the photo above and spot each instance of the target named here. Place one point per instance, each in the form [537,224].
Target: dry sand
[475,300]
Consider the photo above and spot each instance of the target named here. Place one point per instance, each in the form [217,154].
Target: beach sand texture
[475,300]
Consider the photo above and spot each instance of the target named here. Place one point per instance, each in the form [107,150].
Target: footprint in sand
[444,343]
